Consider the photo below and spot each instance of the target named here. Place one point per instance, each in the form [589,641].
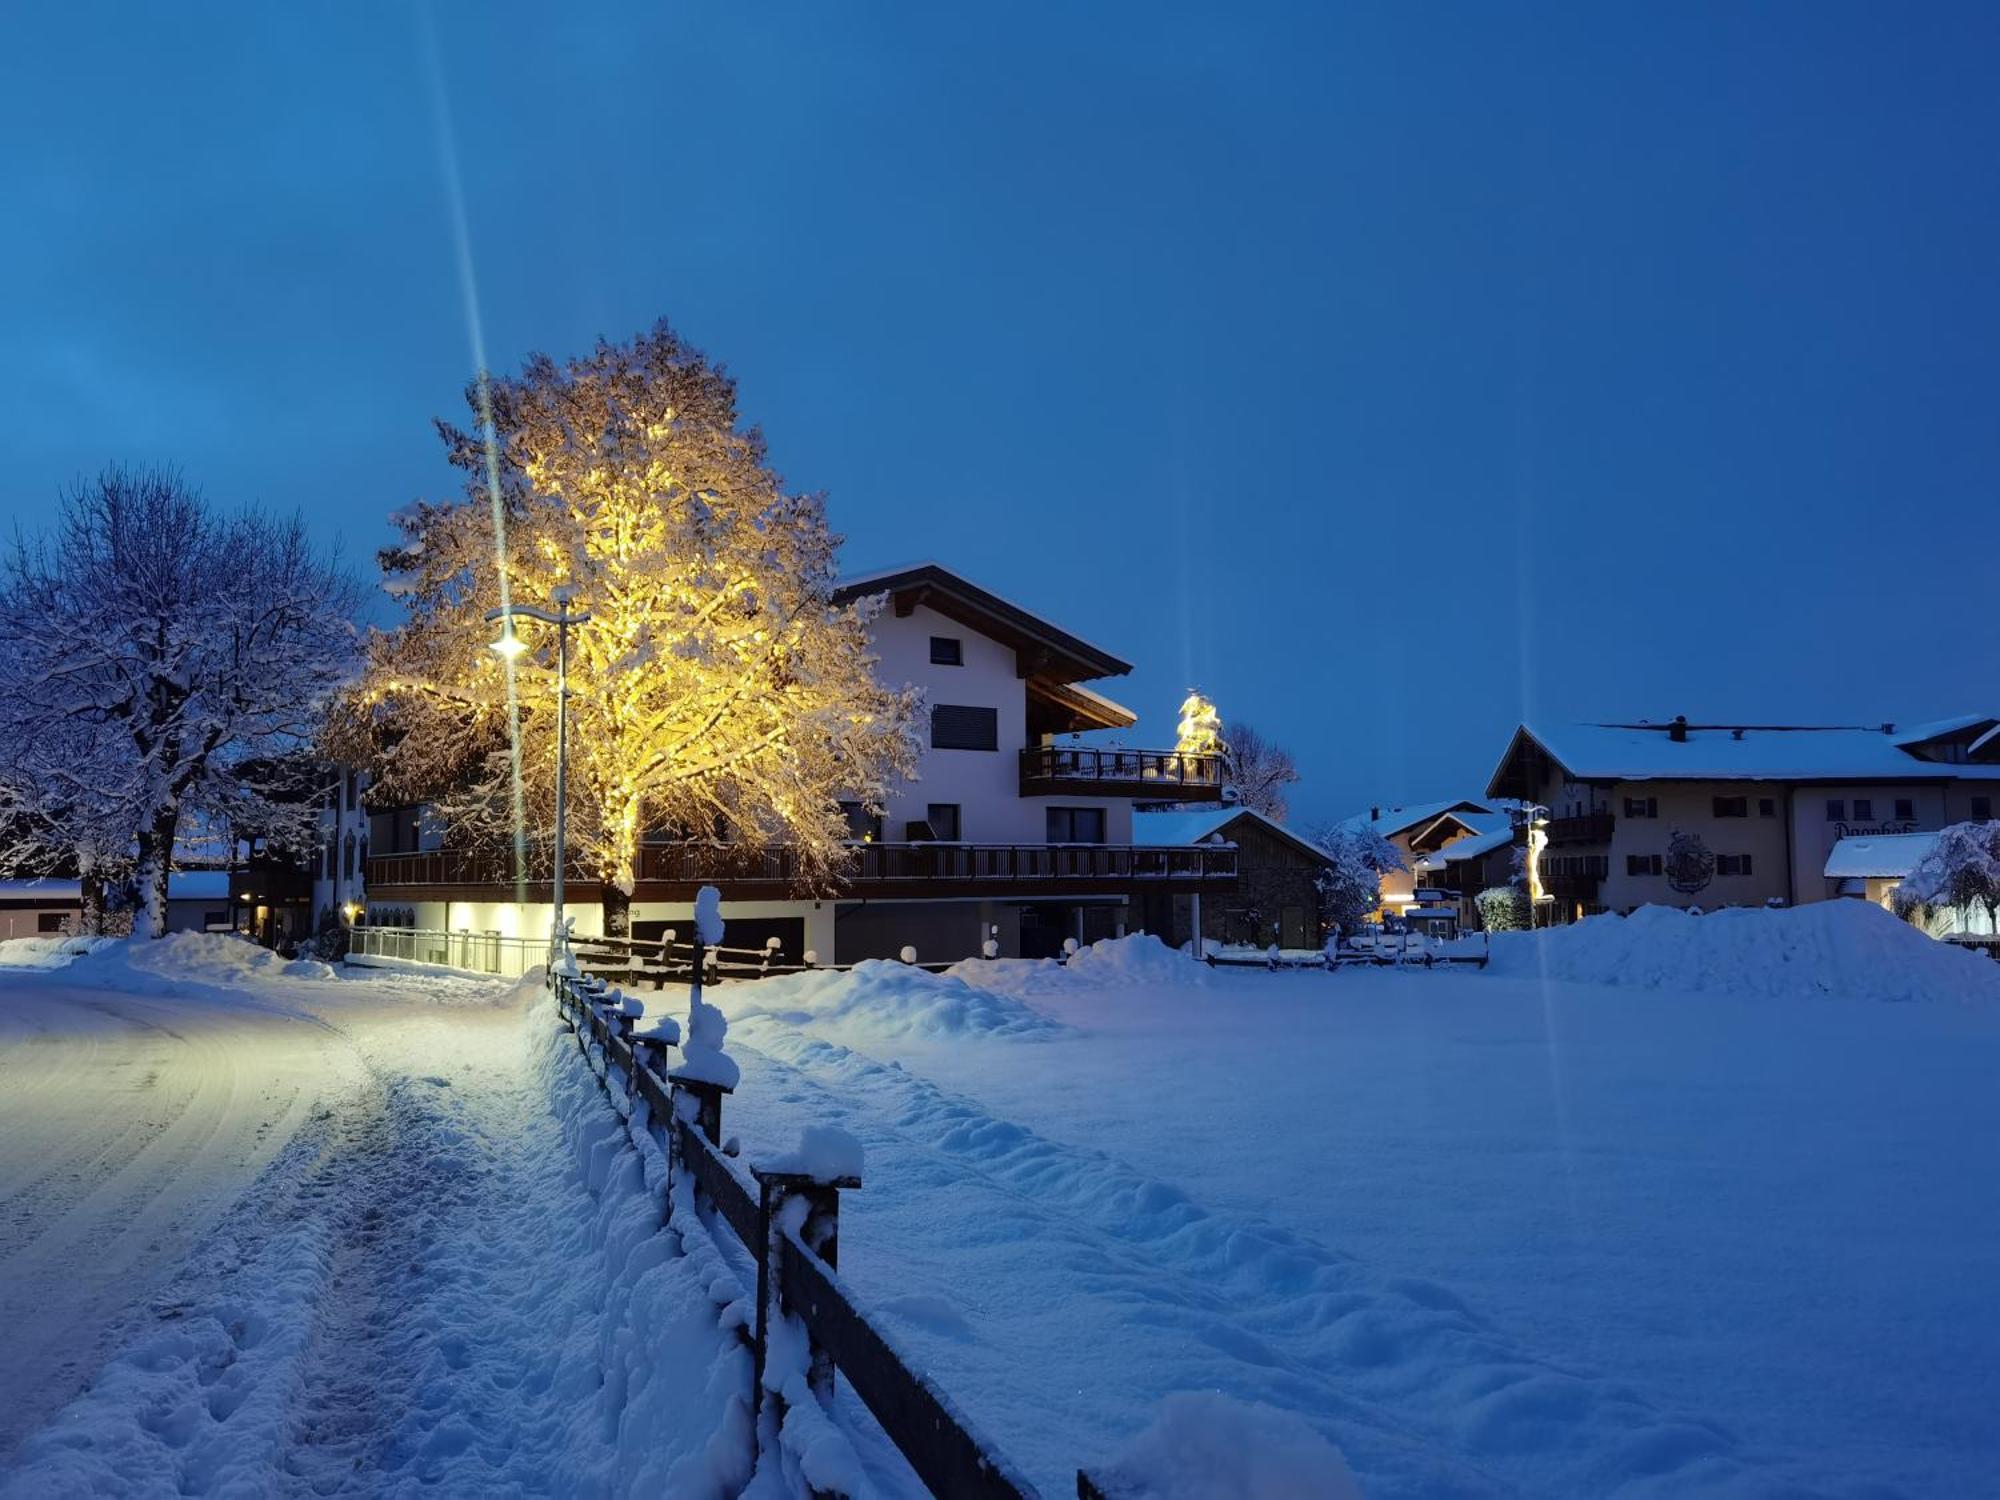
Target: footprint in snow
[932,1314]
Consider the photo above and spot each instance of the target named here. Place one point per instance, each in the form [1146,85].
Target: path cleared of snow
[1488,1234]
[450,1278]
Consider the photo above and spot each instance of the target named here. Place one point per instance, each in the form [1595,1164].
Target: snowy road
[425,1287]
[128,1123]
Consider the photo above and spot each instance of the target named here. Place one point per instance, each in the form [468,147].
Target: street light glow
[509,645]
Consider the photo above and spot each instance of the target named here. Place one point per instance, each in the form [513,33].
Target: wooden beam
[907,600]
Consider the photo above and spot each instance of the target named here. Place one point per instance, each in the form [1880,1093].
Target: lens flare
[476,337]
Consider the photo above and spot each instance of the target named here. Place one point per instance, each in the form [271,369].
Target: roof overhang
[1078,708]
[1041,649]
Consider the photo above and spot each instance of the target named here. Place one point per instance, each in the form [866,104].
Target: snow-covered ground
[1663,1206]
[1720,1220]
[443,1278]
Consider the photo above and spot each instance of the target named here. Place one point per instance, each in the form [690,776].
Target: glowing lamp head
[509,645]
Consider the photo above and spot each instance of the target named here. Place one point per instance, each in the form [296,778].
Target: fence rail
[797,1267]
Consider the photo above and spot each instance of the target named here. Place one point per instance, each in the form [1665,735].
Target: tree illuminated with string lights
[716,692]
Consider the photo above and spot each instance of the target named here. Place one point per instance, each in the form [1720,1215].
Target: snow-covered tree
[1505,908]
[1259,770]
[158,659]
[1351,887]
[1961,872]
[716,689]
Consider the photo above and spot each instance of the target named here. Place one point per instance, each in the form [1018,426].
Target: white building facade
[1015,830]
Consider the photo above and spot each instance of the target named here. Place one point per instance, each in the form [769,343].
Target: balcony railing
[1591,828]
[672,870]
[1165,775]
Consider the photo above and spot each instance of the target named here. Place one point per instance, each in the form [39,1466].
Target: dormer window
[947,651]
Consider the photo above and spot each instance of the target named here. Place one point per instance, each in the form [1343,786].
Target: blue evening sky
[1392,372]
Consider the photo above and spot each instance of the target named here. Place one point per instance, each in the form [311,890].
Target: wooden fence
[797,1268]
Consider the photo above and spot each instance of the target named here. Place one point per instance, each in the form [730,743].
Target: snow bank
[1137,961]
[893,1000]
[49,952]
[1205,1446]
[1851,948]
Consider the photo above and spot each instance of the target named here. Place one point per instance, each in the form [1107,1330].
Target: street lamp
[510,645]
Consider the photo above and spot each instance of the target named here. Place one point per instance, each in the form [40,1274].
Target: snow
[1660,1205]
[889,1001]
[1496,1232]
[1630,752]
[825,1153]
[1830,948]
[1878,855]
[1205,1446]
[450,1276]
[708,916]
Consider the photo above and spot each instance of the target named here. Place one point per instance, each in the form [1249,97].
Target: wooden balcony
[1154,775]
[1592,828]
[675,871]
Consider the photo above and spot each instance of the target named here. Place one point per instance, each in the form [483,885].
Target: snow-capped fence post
[816,1222]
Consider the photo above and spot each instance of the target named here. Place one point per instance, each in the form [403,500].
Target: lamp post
[510,646]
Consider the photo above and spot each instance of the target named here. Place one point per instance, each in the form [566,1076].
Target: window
[947,651]
[1642,807]
[1076,825]
[347,857]
[943,818]
[1836,810]
[1767,807]
[1982,809]
[1864,809]
[1642,864]
[1732,807]
[1732,864]
[863,826]
[1906,810]
[954,727]
[51,921]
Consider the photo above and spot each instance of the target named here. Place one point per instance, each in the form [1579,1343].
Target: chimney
[1678,730]
[1374,814]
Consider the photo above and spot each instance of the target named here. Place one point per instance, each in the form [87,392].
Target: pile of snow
[210,957]
[53,952]
[1136,961]
[825,1153]
[1203,1445]
[702,1057]
[893,1000]
[1828,948]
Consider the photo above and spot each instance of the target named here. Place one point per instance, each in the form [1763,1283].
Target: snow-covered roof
[1470,847]
[45,890]
[1155,828]
[1882,856]
[1394,820]
[1648,752]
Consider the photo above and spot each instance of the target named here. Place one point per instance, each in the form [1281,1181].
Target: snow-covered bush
[1961,872]
[1504,908]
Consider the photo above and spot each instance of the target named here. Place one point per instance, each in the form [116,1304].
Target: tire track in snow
[1128,1276]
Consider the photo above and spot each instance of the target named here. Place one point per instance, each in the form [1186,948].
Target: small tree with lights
[717,691]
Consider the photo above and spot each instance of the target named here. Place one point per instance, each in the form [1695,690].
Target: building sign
[1872,830]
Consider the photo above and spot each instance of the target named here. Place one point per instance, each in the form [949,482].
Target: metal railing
[1167,773]
[1589,828]
[660,959]
[778,867]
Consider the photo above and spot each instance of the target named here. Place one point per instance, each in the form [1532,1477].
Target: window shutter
[956,727]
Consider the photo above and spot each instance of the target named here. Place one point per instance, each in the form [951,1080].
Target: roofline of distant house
[1041,647]
[1921,772]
